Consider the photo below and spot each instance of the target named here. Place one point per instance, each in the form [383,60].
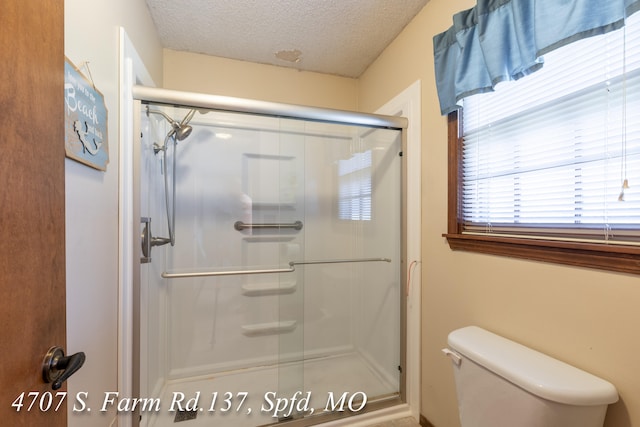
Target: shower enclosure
[271,284]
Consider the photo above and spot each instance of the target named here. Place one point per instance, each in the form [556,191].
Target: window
[540,167]
[354,192]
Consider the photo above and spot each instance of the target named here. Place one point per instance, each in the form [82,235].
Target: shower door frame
[406,104]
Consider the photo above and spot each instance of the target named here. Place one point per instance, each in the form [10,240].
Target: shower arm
[180,130]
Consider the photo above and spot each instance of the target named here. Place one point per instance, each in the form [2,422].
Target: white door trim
[407,104]
[132,71]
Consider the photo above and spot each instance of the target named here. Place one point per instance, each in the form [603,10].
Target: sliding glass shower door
[280,299]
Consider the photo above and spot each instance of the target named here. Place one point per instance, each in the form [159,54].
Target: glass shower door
[273,178]
[237,329]
[351,268]
[280,300]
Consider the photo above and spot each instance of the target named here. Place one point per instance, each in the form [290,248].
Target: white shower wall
[269,170]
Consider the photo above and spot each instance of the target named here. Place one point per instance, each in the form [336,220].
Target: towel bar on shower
[239,225]
[292,268]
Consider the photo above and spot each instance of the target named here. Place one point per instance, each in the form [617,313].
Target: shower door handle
[239,225]
[148,241]
[291,269]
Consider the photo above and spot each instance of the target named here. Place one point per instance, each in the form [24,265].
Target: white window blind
[354,191]
[549,154]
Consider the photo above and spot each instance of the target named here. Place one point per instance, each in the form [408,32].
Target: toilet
[501,383]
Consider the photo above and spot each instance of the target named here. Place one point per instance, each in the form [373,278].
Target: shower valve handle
[159,241]
[148,241]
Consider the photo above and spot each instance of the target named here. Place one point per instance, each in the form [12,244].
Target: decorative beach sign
[85,120]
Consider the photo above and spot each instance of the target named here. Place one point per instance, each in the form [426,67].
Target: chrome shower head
[181,130]
[184,129]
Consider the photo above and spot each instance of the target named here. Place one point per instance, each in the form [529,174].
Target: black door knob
[57,368]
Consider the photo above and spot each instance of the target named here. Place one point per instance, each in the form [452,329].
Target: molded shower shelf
[272,328]
[271,288]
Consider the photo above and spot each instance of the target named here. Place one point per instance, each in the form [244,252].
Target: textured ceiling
[341,37]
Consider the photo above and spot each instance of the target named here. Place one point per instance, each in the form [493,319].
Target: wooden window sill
[619,258]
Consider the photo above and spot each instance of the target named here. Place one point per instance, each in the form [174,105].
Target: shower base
[247,397]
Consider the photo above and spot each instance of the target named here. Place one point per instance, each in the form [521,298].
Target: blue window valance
[500,40]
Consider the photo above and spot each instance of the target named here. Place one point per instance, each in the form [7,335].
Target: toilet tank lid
[531,370]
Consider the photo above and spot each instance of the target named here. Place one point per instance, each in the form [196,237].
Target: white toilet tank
[501,383]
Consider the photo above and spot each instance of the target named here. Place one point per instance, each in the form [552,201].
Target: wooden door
[32,246]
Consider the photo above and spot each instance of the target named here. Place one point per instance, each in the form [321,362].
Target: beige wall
[91,34]
[587,318]
[220,76]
